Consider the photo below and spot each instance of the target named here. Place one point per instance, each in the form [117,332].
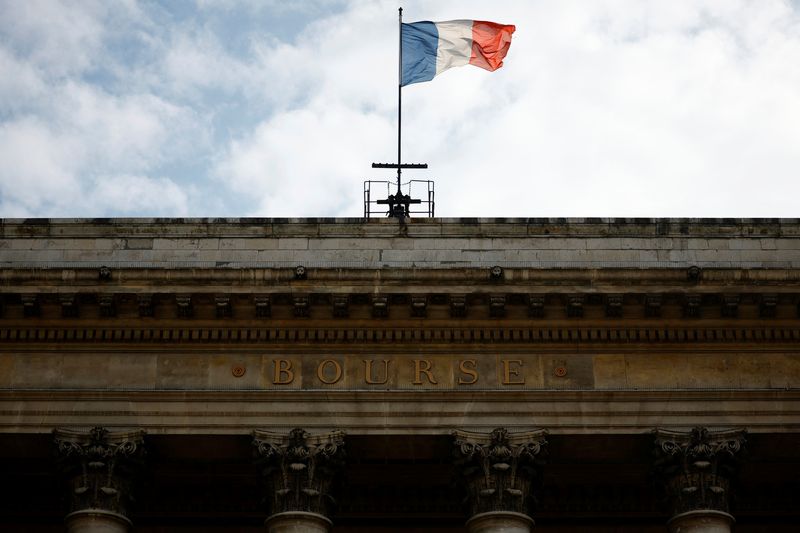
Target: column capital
[696,467]
[100,467]
[299,469]
[499,469]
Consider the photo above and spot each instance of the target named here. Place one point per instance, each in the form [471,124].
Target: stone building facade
[440,375]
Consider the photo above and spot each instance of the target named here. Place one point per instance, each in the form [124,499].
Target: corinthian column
[298,471]
[100,468]
[696,468]
[499,471]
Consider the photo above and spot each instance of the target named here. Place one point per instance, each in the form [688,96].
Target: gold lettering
[462,366]
[337,369]
[508,372]
[283,367]
[368,372]
[419,370]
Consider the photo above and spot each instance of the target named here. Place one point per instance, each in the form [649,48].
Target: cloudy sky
[278,107]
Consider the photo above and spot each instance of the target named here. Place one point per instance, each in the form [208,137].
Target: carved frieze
[419,306]
[299,470]
[652,305]
[536,305]
[696,467]
[694,274]
[477,304]
[613,305]
[691,305]
[730,305]
[184,303]
[69,305]
[222,305]
[104,274]
[458,306]
[767,305]
[301,307]
[500,470]
[575,305]
[30,305]
[380,306]
[341,305]
[107,304]
[100,467]
[145,304]
[497,306]
[263,307]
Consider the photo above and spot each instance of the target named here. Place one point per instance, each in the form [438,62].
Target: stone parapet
[422,243]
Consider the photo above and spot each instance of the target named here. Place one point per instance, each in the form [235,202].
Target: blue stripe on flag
[420,41]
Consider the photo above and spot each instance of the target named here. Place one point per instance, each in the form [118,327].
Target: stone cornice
[380,244]
[604,227]
[242,277]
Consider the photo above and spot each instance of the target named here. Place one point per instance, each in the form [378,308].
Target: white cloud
[612,107]
[129,195]
[37,167]
[609,108]
[287,181]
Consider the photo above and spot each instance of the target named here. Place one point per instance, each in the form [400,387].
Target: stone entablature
[378,243]
[608,314]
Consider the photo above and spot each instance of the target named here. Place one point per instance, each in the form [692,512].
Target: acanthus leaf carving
[299,470]
[500,470]
[100,466]
[697,467]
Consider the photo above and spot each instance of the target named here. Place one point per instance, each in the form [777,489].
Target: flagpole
[399,93]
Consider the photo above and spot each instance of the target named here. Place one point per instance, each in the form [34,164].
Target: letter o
[337,371]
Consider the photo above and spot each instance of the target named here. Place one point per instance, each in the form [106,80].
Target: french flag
[430,48]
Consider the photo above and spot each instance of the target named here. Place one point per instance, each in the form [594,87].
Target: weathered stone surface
[430,243]
[338,370]
[586,316]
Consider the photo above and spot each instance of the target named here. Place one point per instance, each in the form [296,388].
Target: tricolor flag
[430,48]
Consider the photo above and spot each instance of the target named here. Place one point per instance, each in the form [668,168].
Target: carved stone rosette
[696,467]
[500,470]
[100,467]
[298,470]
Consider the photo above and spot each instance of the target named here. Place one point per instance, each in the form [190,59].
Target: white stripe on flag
[455,44]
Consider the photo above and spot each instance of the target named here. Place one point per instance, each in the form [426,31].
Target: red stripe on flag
[490,44]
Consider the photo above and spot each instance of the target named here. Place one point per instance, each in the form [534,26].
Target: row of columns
[500,472]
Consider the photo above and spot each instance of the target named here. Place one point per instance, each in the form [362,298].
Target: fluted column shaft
[500,472]
[298,472]
[697,468]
